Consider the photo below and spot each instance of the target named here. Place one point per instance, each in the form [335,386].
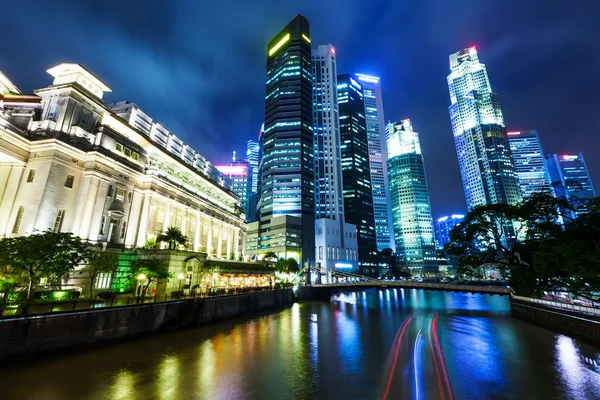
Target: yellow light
[180,276]
[141,277]
[306,38]
[279,44]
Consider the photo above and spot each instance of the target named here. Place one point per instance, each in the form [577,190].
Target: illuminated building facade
[530,163]
[335,240]
[70,164]
[484,156]
[409,197]
[571,180]
[443,227]
[238,173]
[252,156]
[356,176]
[286,203]
[375,124]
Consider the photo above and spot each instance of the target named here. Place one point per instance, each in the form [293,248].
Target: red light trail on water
[389,383]
[435,362]
[439,350]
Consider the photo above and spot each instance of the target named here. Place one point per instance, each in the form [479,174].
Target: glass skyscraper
[571,180]
[377,159]
[484,156]
[252,156]
[530,163]
[409,198]
[286,203]
[443,226]
[239,174]
[358,197]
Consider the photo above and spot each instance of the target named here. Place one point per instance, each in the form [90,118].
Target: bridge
[348,281]
[378,284]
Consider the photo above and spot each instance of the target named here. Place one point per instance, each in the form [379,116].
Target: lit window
[18,219]
[69,181]
[58,222]
[31,175]
[120,194]
[83,119]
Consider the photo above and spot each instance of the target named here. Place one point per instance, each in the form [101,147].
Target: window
[123,229]
[52,112]
[102,223]
[320,252]
[31,175]
[18,219]
[83,119]
[119,147]
[129,197]
[109,192]
[120,194]
[58,221]
[69,181]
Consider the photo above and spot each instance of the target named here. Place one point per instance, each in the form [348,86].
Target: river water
[392,344]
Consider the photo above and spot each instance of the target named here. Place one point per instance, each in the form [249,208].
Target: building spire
[234,155]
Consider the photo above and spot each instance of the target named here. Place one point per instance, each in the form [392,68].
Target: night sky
[198,67]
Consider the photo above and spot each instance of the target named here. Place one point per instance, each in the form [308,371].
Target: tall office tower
[530,164]
[286,224]
[335,240]
[241,183]
[571,180]
[443,226]
[409,197]
[377,159]
[252,155]
[484,157]
[358,196]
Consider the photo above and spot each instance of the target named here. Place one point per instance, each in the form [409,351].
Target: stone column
[166,222]
[133,221]
[236,243]
[184,220]
[198,231]
[80,202]
[210,235]
[98,210]
[144,219]
[220,241]
[8,197]
[228,247]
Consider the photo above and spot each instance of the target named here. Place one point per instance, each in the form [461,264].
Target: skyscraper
[252,156]
[571,180]
[239,174]
[484,157]
[375,123]
[335,240]
[286,203]
[409,198]
[443,226]
[530,164]
[358,196]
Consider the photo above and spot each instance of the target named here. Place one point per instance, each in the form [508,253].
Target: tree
[173,236]
[46,255]
[287,266]
[152,268]
[270,256]
[100,262]
[542,243]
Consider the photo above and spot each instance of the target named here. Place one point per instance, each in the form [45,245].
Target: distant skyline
[199,69]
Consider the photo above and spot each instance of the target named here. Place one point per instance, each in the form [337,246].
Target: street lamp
[141,278]
[180,277]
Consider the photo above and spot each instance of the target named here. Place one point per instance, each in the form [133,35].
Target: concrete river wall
[584,326]
[29,334]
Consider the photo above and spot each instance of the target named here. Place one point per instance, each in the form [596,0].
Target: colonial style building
[69,163]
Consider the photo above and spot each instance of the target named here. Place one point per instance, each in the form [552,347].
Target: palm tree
[269,256]
[173,236]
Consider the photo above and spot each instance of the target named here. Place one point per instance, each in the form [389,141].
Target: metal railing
[556,304]
[423,285]
[118,301]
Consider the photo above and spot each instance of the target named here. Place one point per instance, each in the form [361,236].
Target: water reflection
[408,343]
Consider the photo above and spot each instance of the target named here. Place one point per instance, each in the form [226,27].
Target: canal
[393,344]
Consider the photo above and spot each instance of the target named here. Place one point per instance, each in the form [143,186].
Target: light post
[141,278]
[180,277]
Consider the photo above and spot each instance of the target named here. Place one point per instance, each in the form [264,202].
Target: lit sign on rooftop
[569,158]
[232,169]
[283,41]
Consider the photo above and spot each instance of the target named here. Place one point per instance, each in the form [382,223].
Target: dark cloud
[199,66]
